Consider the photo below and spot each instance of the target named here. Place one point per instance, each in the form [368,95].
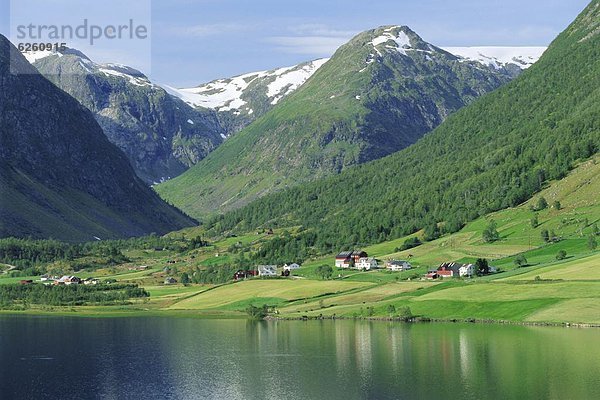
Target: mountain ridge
[161,135]
[60,177]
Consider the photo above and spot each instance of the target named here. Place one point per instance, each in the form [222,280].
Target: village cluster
[63,280]
[360,260]
[355,260]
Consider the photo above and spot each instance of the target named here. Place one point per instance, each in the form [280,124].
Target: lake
[179,358]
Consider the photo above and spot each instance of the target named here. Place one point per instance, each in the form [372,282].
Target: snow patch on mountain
[222,94]
[499,57]
[290,79]
[401,40]
[133,76]
[33,56]
[396,35]
[227,94]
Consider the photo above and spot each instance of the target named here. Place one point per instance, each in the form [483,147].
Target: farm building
[68,280]
[398,265]
[290,267]
[349,259]
[455,270]
[267,270]
[241,274]
[366,263]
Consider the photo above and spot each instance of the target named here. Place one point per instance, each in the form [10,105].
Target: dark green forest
[29,255]
[72,295]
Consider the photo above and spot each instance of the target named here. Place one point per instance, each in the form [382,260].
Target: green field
[586,268]
[258,292]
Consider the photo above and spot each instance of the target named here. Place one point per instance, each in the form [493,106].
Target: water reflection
[154,358]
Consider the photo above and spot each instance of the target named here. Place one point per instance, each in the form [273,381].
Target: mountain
[511,60]
[378,94]
[495,153]
[242,99]
[60,177]
[161,135]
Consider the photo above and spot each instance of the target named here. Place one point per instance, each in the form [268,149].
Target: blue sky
[194,41]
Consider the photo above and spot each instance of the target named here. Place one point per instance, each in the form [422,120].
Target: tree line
[68,295]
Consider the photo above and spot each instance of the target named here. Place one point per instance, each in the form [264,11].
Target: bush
[561,255]
[545,235]
[405,312]
[409,244]
[520,261]
[490,233]
[534,221]
[257,313]
[542,204]
[592,243]
[324,271]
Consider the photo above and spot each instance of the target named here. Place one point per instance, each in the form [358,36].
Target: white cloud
[312,45]
[320,30]
[312,39]
[196,31]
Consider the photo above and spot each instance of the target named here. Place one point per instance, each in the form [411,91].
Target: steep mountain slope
[378,94]
[242,99]
[491,155]
[59,175]
[161,135]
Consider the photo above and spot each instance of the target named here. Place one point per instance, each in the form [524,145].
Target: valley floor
[566,292]
[544,290]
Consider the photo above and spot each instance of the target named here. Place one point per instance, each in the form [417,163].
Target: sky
[195,41]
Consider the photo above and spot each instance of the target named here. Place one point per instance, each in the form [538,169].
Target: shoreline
[420,320]
[232,315]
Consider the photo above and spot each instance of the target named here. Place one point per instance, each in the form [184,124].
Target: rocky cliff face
[60,177]
[161,135]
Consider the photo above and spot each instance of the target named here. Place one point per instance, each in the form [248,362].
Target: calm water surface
[172,358]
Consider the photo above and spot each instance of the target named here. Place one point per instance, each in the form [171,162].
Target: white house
[68,280]
[267,270]
[290,267]
[466,270]
[366,263]
[398,265]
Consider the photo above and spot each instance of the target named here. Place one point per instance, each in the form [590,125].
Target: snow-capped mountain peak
[120,71]
[499,57]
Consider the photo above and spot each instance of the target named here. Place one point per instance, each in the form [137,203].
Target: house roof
[450,266]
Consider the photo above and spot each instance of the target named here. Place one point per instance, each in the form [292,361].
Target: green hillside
[494,154]
[371,99]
